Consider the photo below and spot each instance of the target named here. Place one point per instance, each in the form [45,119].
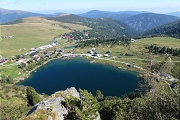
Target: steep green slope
[171,29]
[146,21]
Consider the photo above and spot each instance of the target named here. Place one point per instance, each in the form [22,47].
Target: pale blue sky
[158,6]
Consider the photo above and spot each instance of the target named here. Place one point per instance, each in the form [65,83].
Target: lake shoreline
[27,75]
[68,75]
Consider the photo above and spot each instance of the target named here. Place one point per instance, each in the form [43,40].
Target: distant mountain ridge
[138,20]
[146,21]
[171,29]
[11,15]
[107,14]
[177,14]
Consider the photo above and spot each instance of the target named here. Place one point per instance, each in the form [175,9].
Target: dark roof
[128,54]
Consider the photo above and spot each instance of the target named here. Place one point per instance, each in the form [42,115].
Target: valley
[29,43]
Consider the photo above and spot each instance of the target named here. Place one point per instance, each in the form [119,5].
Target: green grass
[11,71]
[26,36]
[160,41]
[137,49]
[33,32]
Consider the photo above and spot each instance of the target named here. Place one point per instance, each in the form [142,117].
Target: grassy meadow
[32,32]
[160,41]
[141,55]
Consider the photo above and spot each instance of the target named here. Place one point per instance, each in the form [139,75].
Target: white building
[133,40]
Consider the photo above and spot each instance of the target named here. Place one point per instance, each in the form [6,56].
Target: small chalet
[130,65]
[128,54]
[54,43]
[4,60]
[33,49]
[165,75]
[93,49]
[90,52]
[108,52]
[36,57]
[133,40]
[33,53]
[106,55]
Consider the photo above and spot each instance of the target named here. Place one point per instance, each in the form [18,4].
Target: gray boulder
[54,105]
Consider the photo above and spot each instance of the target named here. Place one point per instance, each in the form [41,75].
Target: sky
[81,6]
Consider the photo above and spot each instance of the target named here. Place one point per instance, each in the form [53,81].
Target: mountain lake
[78,72]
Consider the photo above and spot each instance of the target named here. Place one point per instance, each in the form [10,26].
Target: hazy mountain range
[140,21]
[108,14]
[10,15]
[177,14]
[146,21]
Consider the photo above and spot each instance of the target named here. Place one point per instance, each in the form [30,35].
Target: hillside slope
[32,32]
[171,29]
[146,21]
[104,27]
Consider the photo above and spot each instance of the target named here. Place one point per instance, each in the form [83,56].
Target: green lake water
[80,73]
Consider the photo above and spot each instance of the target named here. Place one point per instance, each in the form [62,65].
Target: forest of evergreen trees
[163,50]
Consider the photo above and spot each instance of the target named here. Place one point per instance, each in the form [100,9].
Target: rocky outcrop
[55,108]
[53,105]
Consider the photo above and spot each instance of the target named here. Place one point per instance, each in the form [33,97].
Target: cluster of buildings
[3,60]
[8,37]
[93,52]
[34,52]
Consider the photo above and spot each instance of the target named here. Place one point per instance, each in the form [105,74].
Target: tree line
[95,42]
[163,50]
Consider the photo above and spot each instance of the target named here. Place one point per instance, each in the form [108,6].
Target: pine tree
[85,108]
[32,96]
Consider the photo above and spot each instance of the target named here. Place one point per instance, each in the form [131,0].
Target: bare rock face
[52,107]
